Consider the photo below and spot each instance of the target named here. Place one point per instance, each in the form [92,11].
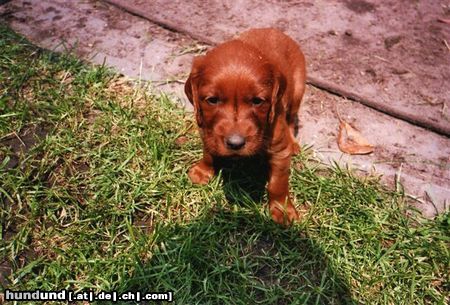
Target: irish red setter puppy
[246,94]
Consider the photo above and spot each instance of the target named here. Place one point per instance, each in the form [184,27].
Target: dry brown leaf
[351,141]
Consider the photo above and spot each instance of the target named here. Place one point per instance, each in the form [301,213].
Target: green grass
[100,200]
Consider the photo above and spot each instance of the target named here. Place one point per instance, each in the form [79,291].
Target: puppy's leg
[293,130]
[294,107]
[281,208]
[203,171]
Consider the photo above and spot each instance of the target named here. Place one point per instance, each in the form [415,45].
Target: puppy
[246,94]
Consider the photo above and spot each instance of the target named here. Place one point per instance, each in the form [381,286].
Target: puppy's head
[235,93]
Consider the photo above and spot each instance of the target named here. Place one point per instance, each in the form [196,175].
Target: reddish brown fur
[249,90]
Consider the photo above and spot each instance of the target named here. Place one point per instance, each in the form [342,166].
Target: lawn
[94,196]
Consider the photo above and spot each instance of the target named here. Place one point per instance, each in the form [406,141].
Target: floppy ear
[279,86]
[191,88]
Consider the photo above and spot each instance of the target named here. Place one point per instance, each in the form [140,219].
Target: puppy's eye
[257,101]
[213,100]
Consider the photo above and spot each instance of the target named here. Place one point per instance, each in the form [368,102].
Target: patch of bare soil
[20,144]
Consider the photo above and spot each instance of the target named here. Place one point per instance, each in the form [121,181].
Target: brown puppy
[246,95]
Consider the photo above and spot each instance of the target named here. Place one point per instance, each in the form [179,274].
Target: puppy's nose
[235,141]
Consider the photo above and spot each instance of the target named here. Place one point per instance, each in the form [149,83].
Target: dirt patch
[20,144]
[360,6]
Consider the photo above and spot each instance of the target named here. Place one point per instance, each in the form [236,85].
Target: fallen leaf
[351,141]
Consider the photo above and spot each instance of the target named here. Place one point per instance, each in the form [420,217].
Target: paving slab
[392,55]
[99,32]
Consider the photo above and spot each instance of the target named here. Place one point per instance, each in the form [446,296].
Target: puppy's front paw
[283,214]
[200,173]
[295,148]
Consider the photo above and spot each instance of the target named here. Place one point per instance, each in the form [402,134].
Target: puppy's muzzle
[235,141]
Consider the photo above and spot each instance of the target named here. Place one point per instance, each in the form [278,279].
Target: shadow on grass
[243,180]
[238,257]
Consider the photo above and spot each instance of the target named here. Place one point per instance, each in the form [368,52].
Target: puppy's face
[235,114]
[234,92]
